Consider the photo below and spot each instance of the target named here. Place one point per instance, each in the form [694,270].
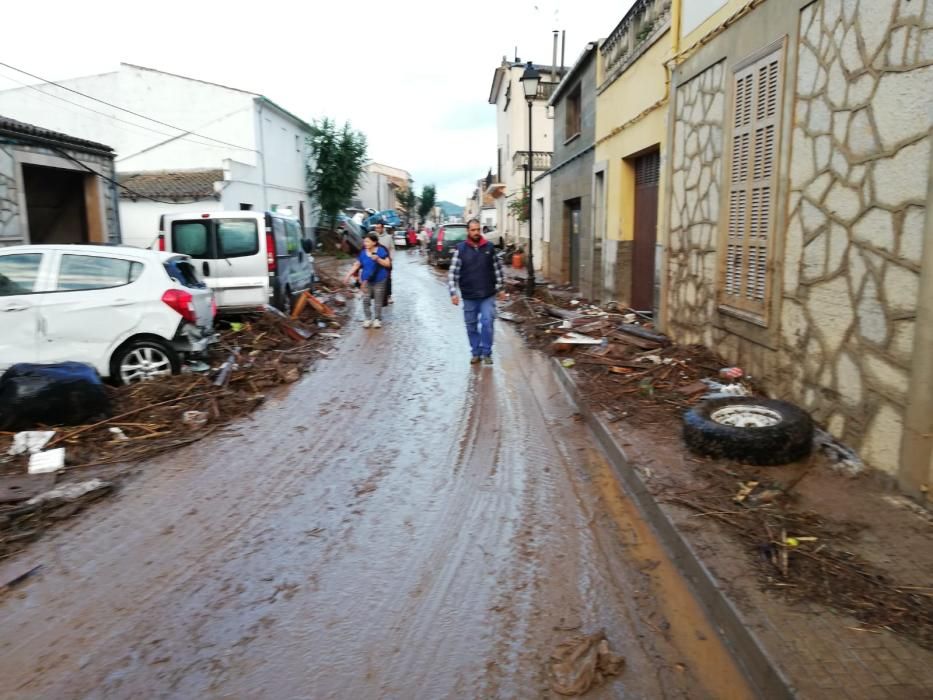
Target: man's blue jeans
[479,315]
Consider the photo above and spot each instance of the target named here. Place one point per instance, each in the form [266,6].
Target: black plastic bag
[66,393]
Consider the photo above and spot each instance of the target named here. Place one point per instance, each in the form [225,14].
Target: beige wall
[850,211]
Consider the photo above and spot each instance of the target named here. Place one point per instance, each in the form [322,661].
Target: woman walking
[373,265]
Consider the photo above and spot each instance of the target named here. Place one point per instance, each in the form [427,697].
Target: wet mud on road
[399,525]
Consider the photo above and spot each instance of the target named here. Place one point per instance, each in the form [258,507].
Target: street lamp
[529,80]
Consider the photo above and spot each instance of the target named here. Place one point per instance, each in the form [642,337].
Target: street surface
[399,524]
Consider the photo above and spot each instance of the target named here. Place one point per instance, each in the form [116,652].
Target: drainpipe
[117,233]
[915,471]
[262,158]
[676,10]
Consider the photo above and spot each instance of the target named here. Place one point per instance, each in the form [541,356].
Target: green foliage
[335,164]
[428,200]
[408,200]
[520,205]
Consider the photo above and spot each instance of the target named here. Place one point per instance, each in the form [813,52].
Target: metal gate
[647,177]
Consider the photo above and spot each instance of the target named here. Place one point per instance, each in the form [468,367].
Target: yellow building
[631,129]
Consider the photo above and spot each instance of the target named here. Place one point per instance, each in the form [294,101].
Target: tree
[428,200]
[408,200]
[334,167]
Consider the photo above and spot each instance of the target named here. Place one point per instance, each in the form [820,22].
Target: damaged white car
[133,314]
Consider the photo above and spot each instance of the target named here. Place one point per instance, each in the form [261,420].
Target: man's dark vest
[477,270]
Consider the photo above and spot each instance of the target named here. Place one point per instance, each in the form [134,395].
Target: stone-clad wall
[9,197]
[858,183]
[696,152]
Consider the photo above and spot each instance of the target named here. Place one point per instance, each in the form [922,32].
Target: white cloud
[414,75]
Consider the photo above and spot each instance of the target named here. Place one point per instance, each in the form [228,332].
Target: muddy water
[399,525]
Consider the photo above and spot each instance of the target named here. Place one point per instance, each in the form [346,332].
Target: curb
[759,668]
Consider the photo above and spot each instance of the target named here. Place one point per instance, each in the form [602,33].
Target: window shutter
[757,93]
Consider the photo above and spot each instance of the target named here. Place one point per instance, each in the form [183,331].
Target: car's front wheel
[141,360]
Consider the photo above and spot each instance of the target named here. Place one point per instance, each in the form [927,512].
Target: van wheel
[141,360]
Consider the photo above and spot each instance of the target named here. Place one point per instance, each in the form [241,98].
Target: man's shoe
[377,323]
[487,360]
[367,323]
[475,360]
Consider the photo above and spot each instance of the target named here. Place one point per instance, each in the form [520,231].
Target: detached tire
[750,430]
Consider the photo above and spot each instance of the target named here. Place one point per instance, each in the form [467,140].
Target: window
[91,272]
[745,284]
[508,97]
[293,236]
[246,206]
[236,238]
[297,143]
[191,238]
[572,113]
[18,273]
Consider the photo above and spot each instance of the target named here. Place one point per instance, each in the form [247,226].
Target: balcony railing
[545,90]
[644,21]
[540,160]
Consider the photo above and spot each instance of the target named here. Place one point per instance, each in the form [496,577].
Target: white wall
[693,13]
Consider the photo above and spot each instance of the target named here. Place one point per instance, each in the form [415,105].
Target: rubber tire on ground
[787,441]
[117,359]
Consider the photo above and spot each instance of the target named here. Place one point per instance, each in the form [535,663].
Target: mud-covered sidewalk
[818,577]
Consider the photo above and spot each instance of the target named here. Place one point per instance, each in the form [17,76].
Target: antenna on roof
[516,54]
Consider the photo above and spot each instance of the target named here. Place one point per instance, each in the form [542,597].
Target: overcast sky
[413,75]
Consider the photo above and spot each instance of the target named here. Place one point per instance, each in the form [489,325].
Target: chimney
[563,45]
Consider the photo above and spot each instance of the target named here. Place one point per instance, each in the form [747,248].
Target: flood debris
[255,353]
[583,662]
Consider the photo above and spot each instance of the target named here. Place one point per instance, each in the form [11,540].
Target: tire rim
[750,416]
[143,364]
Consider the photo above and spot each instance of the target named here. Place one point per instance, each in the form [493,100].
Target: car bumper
[191,338]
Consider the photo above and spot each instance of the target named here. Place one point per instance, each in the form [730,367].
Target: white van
[248,258]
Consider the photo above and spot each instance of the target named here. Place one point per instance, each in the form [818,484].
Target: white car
[130,313]
[399,238]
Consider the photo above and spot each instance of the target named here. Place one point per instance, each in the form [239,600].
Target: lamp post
[529,80]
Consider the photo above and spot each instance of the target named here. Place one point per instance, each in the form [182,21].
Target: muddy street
[399,524]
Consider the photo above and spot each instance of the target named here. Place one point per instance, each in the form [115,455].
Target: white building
[512,155]
[255,148]
[379,185]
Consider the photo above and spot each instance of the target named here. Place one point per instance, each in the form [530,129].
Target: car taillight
[161,241]
[182,302]
[270,251]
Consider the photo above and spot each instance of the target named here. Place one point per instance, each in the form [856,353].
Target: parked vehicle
[248,258]
[399,238]
[131,313]
[443,241]
[389,217]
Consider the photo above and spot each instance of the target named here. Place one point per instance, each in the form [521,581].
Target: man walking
[476,274]
[387,241]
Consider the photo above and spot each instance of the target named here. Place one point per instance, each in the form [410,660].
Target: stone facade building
[55,188]
[574,253]
[798,187]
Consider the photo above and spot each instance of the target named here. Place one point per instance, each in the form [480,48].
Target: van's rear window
[455,233]
[191,238]
[213,239]
[237,237]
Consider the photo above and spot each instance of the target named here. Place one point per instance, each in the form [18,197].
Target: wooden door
[647,176]
[573,231]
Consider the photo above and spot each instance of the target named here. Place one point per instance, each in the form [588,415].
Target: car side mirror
[306,246]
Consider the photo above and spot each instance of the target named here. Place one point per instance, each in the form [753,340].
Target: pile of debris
[621,361]
[53,472]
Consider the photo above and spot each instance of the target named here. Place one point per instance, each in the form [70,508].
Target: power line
[124,109]
[109,116]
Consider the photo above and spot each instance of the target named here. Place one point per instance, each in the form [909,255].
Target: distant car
[399,237]
[131,313]
[443,241]
[249,258]
[389,217]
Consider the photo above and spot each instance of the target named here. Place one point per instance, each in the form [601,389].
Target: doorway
[572,232]
[599,233]
[55,205]
[647,177]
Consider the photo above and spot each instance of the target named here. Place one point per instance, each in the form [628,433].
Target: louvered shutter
[756,110]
